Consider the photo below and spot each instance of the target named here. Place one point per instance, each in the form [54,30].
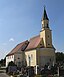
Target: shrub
[38,76]
[11,63]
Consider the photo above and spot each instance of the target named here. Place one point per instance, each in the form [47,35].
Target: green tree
[59,57]
[3,62]
[11,63]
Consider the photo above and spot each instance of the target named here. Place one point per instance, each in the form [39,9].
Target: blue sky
[21,19]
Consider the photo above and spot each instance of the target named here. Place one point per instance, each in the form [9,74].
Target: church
[39,50]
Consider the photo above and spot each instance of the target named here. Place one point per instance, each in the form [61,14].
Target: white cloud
[11,39]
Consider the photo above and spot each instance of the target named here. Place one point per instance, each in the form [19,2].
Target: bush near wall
[38,76]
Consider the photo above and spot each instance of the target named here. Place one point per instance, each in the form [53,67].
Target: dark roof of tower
[45,17]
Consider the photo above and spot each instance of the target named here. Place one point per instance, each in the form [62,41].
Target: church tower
[45,32]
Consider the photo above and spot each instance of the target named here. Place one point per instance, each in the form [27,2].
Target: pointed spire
[45,17]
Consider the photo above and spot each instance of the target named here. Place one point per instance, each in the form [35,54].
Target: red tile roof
[22,45]
[33,42]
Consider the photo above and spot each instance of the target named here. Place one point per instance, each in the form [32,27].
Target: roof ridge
[34,37]
[33,42]
[23,42]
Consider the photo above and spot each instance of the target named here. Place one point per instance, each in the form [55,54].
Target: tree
[3,62]
[12,68]
[11,63]
[59,57]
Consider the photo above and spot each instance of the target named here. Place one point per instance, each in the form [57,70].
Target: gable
[41,44]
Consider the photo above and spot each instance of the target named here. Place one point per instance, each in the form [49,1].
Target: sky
[21,19]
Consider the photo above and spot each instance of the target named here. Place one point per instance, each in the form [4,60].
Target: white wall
[17,57]
[9,59]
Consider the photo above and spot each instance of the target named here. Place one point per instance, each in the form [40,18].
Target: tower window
[18,58]
[47,26]
[40,45]
[48,44]
[48,35]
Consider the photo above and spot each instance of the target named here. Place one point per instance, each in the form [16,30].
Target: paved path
[4,75]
